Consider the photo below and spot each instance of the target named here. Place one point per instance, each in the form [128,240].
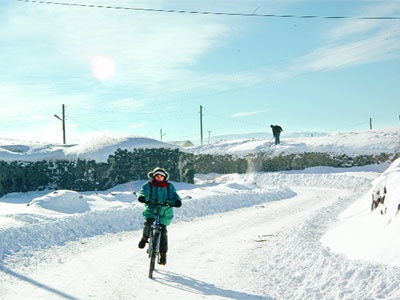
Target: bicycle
[155,237]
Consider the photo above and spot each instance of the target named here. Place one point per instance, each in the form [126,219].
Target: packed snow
[100,146]
[307,234]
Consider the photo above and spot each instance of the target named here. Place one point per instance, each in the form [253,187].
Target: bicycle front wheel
[154,253]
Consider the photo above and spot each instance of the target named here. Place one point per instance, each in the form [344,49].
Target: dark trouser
[277,140]
[164,234]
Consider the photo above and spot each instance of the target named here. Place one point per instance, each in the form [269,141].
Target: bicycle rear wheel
[154,253]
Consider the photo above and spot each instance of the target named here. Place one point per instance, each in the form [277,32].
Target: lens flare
[102,67]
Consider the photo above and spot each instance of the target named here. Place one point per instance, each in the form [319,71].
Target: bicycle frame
[155,237]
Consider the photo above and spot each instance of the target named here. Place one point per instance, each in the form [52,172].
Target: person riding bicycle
[158,190]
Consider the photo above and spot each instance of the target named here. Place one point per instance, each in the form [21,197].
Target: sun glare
[102,67]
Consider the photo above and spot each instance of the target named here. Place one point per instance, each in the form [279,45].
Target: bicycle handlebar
[158,204]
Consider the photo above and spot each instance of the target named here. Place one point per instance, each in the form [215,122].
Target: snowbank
[371,235]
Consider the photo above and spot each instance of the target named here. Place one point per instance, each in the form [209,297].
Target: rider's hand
[142,199]
[178,203]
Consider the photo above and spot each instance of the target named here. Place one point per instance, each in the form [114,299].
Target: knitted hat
[158,171]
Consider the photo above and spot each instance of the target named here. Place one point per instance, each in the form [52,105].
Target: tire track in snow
[320,274]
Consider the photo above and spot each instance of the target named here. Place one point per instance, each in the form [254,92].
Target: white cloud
[353,42]
[147,48]
[36,99]
[151,52]
[381,47]
[359,41]
[248,113]
[354,27]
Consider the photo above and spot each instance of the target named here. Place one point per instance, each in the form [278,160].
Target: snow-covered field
[286,235]
[99,147]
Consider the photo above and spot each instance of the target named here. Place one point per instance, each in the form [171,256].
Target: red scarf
[159,184]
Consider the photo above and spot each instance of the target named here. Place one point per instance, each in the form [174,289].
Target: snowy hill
[285,235]
[351,143]
[97,148]
[261,136]
[100,147]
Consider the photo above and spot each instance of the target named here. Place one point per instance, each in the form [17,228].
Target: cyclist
[158,190]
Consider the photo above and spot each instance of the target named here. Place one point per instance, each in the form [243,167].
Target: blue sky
[139,73]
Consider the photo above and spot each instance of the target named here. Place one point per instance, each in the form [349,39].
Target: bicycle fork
[154,240]
[154,247]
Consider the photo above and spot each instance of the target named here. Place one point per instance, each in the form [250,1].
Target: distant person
[158,190]
[276,131]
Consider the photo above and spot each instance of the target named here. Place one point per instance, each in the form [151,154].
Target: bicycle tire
[153,256]
[150,246]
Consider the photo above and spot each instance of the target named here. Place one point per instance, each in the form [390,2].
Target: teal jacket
[159,193]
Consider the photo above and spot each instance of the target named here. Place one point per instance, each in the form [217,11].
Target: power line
[233,14]
[25,141]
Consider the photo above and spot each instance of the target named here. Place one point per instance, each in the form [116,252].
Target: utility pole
[201,124]
[370,123]
[209,133]
[161,134]
[62,119]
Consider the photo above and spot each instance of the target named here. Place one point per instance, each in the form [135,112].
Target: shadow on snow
[195,286]
[36,283]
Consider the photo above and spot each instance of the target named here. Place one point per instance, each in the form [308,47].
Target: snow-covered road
[239,237]
[222,256]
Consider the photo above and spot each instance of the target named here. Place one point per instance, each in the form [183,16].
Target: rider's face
[159,177]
